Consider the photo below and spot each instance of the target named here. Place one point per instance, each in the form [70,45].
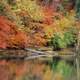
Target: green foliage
[1,7]
[67,39]
[57,42]
[64,69]
[54,65]
[70,38]
[78,9]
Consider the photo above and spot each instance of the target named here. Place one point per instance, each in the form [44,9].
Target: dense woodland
[49,23]
[53,24]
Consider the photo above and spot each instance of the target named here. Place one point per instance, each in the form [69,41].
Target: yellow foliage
[31,7]
[51,29]
[58,77]
[48,29]
[48,75]
[66,21]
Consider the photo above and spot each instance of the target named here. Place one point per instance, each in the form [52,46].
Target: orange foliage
[48,12]
[5,73]
[39,39]
[24,13]
[20,39]
[38,69]
[22,68]
[48,75]
[3,62]
[10,35]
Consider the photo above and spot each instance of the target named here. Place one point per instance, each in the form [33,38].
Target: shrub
[10,36]
[67,39]
[57,42]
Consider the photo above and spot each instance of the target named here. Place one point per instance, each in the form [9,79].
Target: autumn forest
[39,39]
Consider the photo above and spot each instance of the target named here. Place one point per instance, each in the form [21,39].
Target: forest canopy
[40,20]
[39,29]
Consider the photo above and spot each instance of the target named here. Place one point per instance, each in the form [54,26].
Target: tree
[77,7]
[10,36]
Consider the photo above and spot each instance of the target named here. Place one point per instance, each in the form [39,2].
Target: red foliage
[48,13]
[10,36]
[49,9]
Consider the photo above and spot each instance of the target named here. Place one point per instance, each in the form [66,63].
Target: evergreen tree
[78,8]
